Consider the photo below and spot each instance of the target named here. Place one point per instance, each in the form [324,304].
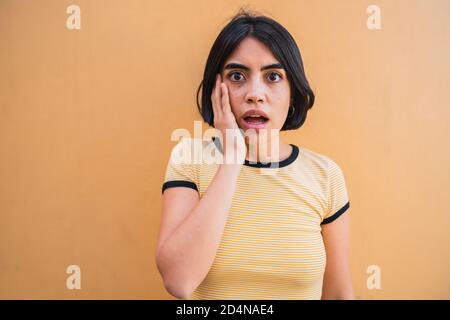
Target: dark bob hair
[282,46]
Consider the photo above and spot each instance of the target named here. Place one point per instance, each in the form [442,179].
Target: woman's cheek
[232,99]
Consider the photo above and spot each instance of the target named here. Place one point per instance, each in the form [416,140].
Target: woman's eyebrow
[233,65]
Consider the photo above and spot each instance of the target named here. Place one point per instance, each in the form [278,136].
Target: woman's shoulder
[317,158]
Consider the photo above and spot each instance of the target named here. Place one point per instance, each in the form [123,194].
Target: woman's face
[254,86]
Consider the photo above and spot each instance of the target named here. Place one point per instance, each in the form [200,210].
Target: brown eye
[231,74]
[276,74]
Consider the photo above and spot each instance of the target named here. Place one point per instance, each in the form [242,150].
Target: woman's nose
[256,91]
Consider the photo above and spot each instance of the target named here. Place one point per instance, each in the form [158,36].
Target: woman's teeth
[255,119]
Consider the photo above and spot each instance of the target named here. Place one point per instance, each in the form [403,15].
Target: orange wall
[86,117]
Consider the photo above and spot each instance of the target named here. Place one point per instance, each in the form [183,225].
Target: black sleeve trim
[179,183]
[337,214]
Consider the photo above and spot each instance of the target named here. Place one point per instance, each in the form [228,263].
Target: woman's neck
[268,152]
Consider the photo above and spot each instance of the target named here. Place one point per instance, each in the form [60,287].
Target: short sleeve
[338,201]
[181,170]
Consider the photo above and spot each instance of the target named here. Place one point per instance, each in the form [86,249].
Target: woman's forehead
[252,50]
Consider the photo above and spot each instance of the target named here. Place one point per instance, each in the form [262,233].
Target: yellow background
[86,117]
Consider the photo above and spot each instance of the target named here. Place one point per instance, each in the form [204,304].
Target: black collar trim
[283,163]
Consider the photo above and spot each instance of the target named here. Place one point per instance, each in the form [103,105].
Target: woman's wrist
[231,168]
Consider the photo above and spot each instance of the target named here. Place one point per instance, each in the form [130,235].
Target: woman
[249,228]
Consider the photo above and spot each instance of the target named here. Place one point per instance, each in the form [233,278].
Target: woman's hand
[224,120]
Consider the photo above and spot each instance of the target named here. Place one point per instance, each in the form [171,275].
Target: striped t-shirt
[272,246]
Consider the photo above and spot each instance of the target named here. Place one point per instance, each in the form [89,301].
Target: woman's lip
[249,125]
[255,112]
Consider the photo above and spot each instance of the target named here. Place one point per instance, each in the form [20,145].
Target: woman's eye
[274,73]
[236,76]
[230,75]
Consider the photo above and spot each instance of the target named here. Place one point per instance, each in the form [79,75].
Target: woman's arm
[190,237]
[337,282]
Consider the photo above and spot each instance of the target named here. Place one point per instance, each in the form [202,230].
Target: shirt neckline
[279,164]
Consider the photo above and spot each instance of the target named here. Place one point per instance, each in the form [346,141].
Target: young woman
[254,229]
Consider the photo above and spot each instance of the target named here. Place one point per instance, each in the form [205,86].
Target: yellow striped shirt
[272,246]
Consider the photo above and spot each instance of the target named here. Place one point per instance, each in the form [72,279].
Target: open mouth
[255,120]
